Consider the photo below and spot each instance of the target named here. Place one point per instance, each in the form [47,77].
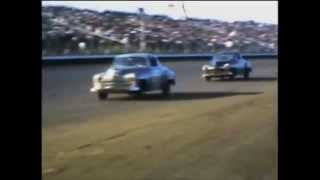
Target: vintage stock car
[134,74]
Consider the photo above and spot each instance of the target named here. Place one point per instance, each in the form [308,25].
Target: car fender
[171,75]
[248,65]
[95,77]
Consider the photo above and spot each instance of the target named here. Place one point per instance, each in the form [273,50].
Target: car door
[244,64]
[156,72]
[239,64]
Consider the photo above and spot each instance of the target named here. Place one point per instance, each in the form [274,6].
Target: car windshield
[222,57]
[130,61]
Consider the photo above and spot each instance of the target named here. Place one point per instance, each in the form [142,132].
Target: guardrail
[56,60]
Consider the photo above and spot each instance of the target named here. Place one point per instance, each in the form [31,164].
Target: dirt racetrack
[207,130]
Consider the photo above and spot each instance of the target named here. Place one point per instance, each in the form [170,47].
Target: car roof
[229,53]
[134,54]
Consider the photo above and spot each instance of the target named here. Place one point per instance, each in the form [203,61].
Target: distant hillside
[73,31]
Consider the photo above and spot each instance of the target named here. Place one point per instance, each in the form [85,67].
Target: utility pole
[142,30]
[186,18]
[184,10]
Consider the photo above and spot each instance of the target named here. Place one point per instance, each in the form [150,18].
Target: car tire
[207,78]
[143,85]
[135,94]
[246,74]
[233,75]
[102,95]
[166,89]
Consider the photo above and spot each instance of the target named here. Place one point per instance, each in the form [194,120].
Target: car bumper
[116,88]
[216,73]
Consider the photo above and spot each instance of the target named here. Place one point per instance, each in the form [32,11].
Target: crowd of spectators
[67,30]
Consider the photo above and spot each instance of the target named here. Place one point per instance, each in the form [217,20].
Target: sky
[259,11]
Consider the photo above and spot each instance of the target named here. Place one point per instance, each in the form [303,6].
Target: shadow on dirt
[252,79]
[176,96]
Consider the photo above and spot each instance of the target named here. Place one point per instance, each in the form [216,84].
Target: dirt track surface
[66,97]
[206,130]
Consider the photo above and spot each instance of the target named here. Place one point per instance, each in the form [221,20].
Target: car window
[222,57]
[153,61]
[134,61]
[235,59]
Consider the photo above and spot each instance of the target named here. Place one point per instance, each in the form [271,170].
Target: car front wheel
[233,74]
[135,94]
[166,89]
[102,95]
[246,74]
[207,78]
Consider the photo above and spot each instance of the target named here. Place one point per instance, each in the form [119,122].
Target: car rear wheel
[166,89]
[102,95]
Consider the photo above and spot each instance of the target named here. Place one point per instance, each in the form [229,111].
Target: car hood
[121,71]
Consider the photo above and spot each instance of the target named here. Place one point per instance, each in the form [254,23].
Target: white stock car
[133,74]
[226,65]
